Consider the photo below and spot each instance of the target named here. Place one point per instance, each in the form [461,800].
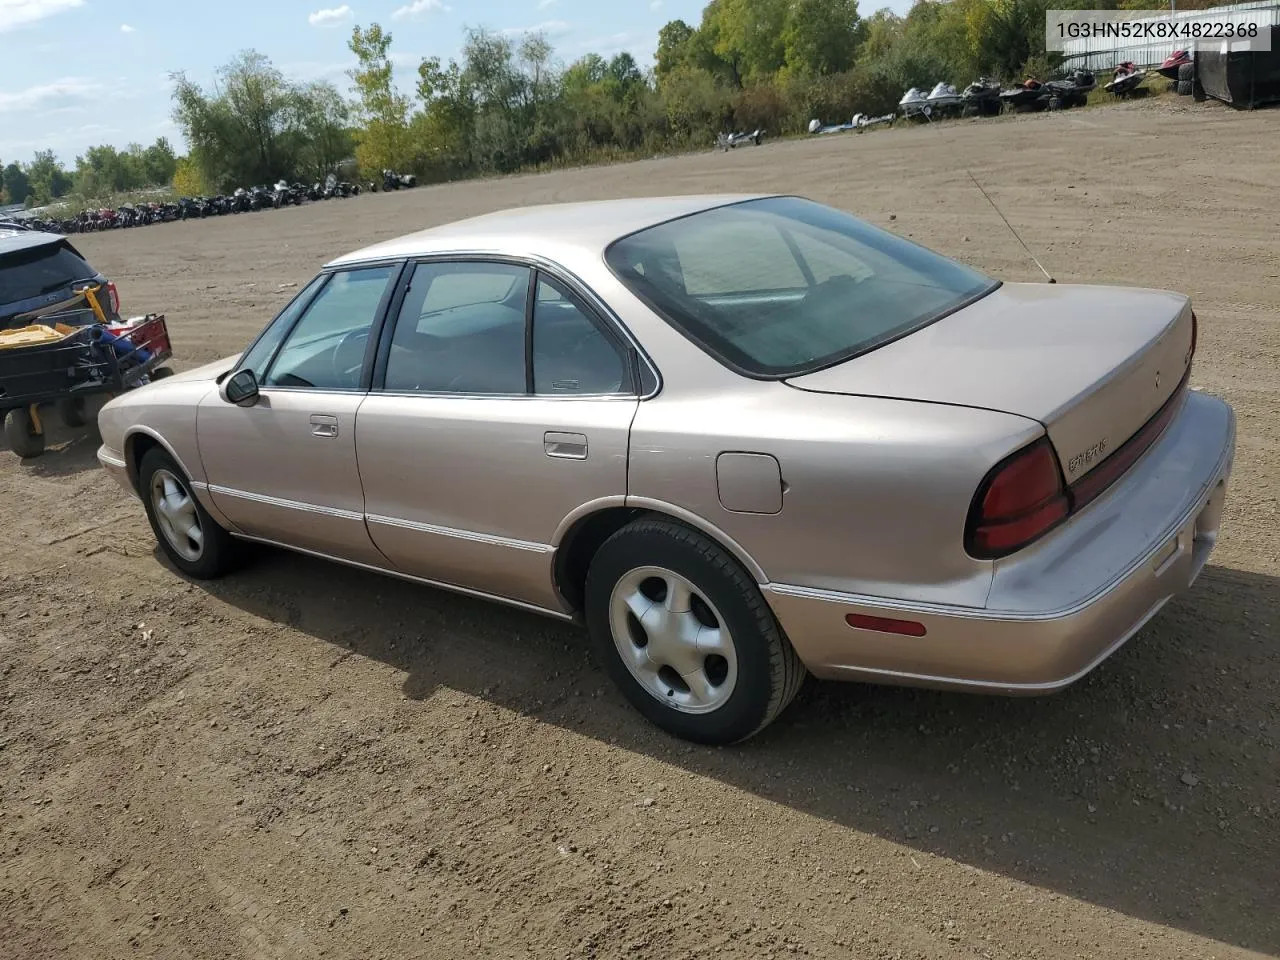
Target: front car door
[501,405]
[284,469]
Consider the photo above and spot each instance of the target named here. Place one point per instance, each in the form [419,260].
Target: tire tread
[787,671]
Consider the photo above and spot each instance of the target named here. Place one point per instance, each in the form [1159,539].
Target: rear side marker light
[906,628]
[114,296]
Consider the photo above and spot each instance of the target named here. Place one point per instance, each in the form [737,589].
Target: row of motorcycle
[243,200]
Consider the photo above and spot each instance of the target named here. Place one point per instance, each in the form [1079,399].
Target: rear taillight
[1021,499]
[114,296]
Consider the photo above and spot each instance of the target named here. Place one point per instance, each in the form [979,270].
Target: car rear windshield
[783,286]
[29,273]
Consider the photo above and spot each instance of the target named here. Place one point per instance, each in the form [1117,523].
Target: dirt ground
[304,761]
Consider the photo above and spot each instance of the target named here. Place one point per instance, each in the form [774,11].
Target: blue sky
[82,72]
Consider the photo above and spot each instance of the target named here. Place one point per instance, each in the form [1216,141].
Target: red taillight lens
[1020,500]
[114,296]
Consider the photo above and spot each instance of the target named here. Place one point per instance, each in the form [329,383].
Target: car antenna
[1046,273]
[1048,276]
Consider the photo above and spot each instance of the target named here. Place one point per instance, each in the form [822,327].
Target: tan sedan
[739,437]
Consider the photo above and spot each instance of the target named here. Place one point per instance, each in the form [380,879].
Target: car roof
[14,240]
[525,231]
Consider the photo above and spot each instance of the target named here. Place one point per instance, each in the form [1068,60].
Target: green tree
[383,141]
[324,124]
[749,35]
[159,163]
[675,42]
[821,36]
[17,186]
[48,180]
[248,131]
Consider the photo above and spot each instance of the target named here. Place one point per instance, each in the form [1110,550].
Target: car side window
[461,329]
[571,354]
[326,348]
[263,349]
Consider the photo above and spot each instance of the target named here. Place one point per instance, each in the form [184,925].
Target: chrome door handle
[323,426]
[565,446]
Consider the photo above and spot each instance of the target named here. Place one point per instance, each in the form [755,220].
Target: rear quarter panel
[876,491]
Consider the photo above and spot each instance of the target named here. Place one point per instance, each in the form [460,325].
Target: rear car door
[284,469]
[501,404]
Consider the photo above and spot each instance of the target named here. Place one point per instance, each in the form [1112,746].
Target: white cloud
[329,17]
[548,4]
[55,95]
[420,7]
[552,28]
[17,13]
[125,28]
[656,5]
[614,43]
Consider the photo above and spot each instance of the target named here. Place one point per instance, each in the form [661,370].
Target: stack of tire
[1186,79]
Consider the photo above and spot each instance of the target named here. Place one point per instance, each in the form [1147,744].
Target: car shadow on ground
[1149,788]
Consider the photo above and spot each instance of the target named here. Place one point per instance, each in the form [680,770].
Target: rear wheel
[188,535]
[20,430]
[686,635]
[71,411]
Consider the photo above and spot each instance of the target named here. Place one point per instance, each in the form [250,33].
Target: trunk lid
[1093,364]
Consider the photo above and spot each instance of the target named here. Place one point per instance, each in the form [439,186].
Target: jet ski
[914,103]
[1028,96]
[1169,69]
[1127,79]
[981,98]
[944,99]
[1071,92]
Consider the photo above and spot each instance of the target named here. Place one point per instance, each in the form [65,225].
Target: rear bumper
[1058,609]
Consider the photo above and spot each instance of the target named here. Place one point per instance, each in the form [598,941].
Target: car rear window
[29,273]
[783,286]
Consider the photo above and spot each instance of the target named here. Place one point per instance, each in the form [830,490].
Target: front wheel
[686,634]
[188,535]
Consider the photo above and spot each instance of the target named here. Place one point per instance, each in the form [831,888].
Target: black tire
[1184,87]
[20,431]
[219,552]
[1055,103]
[1186,71]
[161,373]
[768,671]
[71,411]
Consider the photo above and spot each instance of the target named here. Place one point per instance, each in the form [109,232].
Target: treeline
[100,172]
[507,103]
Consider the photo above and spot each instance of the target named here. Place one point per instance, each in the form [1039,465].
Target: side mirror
[241,389]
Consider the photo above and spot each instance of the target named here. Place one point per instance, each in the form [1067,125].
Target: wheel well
[135,448]
[579,545]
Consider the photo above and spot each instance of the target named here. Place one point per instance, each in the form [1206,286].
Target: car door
[284,469]
[501,404]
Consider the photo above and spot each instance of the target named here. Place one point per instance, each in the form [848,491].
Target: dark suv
[41,273]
